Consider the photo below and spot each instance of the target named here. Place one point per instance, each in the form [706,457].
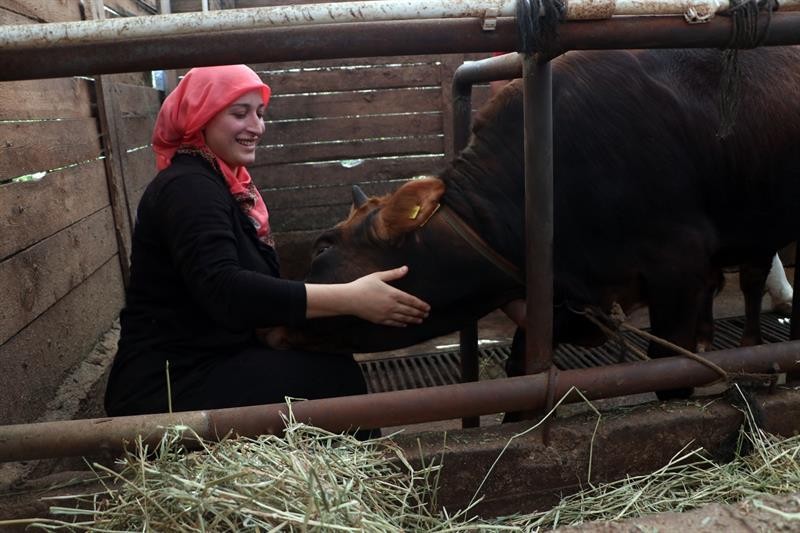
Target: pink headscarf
[201,94]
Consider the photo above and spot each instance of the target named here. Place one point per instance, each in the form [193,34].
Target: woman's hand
[377,301]
[369,297]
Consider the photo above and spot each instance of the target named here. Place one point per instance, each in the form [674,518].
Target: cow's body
[649,203]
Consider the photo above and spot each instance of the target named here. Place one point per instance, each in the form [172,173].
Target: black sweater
[200,281]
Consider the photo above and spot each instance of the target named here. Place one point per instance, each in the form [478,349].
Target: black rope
[537,22]
[744,35]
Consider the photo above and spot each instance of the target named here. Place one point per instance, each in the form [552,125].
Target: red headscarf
[201,94]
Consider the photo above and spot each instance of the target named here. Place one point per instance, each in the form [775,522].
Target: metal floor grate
[444,368]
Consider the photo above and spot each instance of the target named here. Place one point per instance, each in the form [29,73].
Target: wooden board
[139,169]
[380,77]
[136,100]
[132,8]
[348,103]
[134,131]
[318,208]
[183,6]
[350,150]
[39,11]
[325,195]
[27,147]
[35,361]
[288,176]
[36,210]
[301,218]
[368,127]
[39,276]
[40,99]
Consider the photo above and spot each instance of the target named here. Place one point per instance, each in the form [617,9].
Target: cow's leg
[752,279]
[514,367]
[676,306]
[705,322]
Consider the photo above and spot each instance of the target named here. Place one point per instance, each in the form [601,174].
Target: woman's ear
[409,207]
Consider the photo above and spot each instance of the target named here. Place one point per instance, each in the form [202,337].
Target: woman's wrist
[328,299]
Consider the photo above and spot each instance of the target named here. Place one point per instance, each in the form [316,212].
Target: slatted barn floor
[443,368]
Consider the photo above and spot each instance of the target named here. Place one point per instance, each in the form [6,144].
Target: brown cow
[649,201]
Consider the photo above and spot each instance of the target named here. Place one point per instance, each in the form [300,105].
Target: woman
[204,273]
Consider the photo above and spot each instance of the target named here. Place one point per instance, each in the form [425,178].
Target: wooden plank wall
[333,123]
[59,262]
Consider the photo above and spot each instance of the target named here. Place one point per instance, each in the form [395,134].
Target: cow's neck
[483,188]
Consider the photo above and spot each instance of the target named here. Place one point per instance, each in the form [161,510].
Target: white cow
[779,289]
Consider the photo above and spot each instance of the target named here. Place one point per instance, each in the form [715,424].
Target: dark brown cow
[649,201]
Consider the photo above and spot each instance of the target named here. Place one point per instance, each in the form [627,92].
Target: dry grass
[313,480]
[690,480]
[309,480]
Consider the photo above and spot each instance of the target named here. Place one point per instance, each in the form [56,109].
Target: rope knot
[538,24]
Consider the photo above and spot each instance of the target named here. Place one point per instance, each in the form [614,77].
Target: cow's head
[403,228]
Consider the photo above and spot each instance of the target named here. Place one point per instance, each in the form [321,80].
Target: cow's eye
[321,249]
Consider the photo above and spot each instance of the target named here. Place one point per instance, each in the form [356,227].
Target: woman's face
[235,131]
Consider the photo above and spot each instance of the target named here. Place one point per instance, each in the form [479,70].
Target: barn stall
[323,136]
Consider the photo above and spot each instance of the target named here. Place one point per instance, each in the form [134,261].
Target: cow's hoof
[675,394]
[783,308]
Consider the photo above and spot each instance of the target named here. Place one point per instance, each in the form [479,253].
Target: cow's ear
[409,207]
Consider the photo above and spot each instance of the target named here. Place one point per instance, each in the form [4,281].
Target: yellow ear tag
[414,212]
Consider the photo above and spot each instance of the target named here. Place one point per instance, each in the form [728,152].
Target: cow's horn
[359,198]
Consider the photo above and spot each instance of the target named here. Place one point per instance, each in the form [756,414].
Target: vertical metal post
[468,336]
[794,326]
[538,113]
[468,340]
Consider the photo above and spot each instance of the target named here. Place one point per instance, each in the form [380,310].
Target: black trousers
[253,376]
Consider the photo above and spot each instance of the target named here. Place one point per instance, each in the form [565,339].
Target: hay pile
[763,465]
[313,480]
[310,479]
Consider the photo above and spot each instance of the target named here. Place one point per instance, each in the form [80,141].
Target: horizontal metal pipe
[373,39]
[525,393]
[668,32]
[368,39]
[55,34]
[700,11]
[504,67]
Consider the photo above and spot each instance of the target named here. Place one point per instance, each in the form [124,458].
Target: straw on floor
[313,480]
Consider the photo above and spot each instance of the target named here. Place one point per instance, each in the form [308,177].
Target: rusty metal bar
[468,348]
[490,69]
[368,39]
[668,32]
[468,336]
[794,327]
[525,393]
[54,34]
[538,112]
[504,67]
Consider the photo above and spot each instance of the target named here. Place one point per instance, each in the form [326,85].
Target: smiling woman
[205,275]
[234,133]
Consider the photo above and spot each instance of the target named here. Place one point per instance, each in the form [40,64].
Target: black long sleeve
[200,279]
